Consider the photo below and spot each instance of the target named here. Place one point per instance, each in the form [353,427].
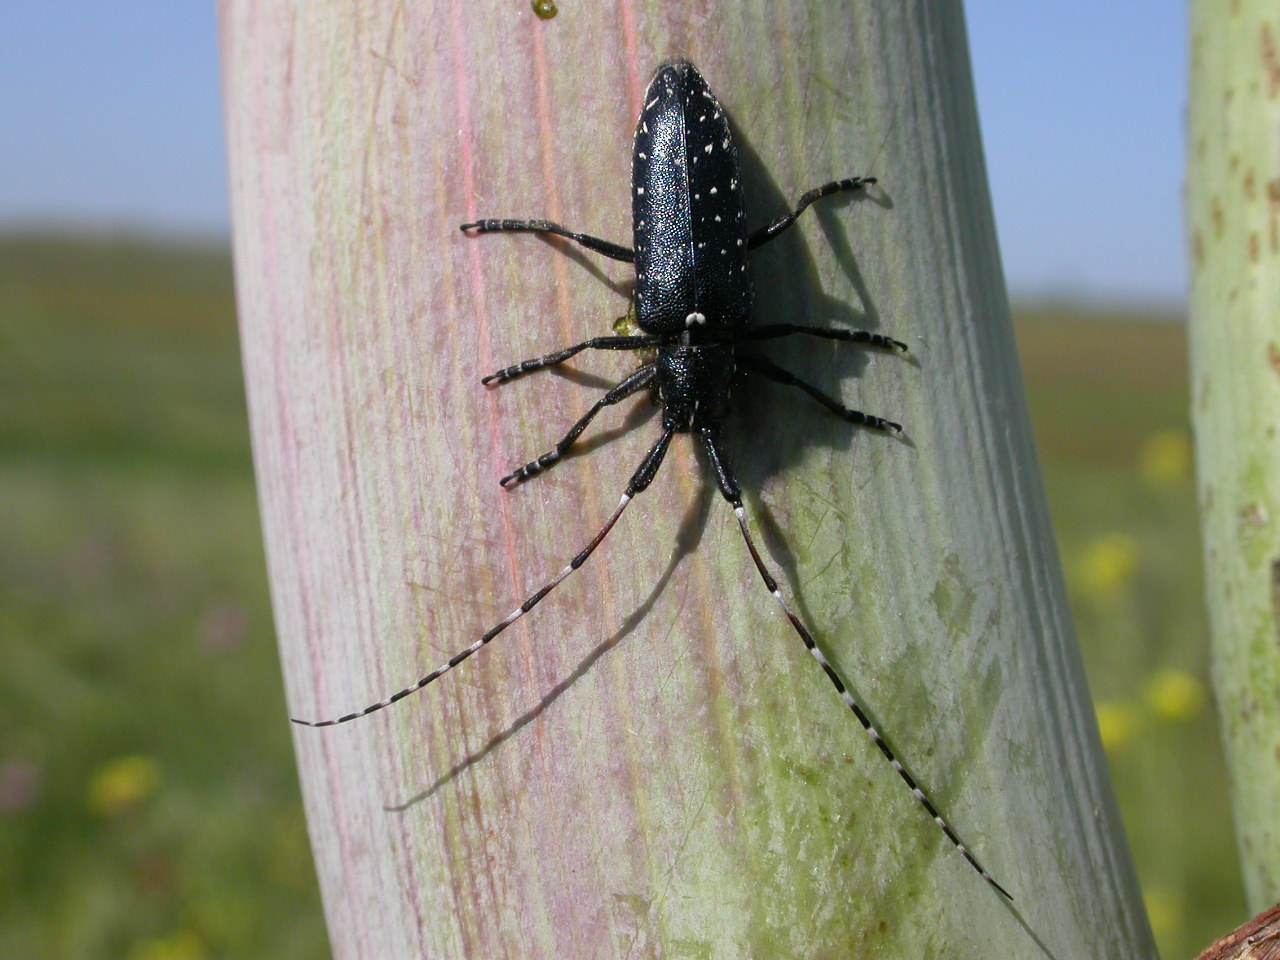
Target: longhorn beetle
[693,301]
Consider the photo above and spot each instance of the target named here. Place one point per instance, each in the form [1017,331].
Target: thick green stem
[650,764]
[1233,215]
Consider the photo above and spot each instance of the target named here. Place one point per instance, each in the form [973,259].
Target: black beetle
[692,301]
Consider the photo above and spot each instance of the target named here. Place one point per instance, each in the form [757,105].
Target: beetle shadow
[774,426]
[688,536]
[591,263]
[787,289]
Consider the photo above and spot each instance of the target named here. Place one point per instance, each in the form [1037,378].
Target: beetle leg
[612,250]
[767,233]
[771,371]
[560,356]
[772,330]
[633,384]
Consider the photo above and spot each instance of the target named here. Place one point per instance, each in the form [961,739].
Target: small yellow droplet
[545,9]
[1175,696]
[1165,457]
[629,325]
[121,784]
[1117,723]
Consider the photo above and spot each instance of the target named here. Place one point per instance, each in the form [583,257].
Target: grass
[148,805]
[1110,400]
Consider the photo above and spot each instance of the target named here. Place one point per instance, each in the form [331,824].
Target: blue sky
[1083,110]
[111,118]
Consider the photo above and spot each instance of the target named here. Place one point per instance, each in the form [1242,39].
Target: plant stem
[1233,216]
[649,764]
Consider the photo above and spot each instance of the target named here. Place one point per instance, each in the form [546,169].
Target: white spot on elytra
[707,148]
[714,191]
[694,318]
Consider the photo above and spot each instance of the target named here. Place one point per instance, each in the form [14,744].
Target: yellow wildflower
[1117,723]
[1175,696]
[1165,457]
[1166,908]
[1106,567]
[121,784]
[183,945]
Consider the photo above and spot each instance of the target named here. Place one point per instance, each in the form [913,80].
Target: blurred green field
[148,806]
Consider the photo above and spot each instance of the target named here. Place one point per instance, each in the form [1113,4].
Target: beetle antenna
[642,478]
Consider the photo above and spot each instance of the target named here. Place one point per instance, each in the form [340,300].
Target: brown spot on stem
[1250,185]
[1273,200]
[1275,598]
[1253,517]
[1270,61]
[1215,211]
[1273,355]
[1255,247]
